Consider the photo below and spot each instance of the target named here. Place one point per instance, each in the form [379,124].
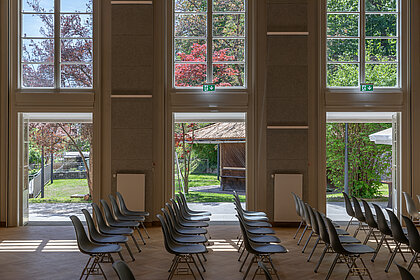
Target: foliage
[206,151]
[367,160]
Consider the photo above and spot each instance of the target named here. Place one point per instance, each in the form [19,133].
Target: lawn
[338,196]
[203,197]
[61,190]
[197,180]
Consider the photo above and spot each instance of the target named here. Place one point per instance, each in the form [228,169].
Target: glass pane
[37,75]
[76,75]
[382,75]
[37,50]
[342,25]
[228,50]
[342,75]
[230,25]
[381,25]
[190,50]
[381,50]
[228,5]
[229,75]
[190,25]
[38,6]
[76,6]
[343,5]
[76,26]
[38,25]
[76,50]
[343,50]
[190,5]
[381,6]
[190,75]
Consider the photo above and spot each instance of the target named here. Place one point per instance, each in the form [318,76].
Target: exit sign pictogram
[366,87]
[209,87]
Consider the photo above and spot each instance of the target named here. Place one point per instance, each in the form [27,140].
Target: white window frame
[17,52]
[362,37]
[209,39]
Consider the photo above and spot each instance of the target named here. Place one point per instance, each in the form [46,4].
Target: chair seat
[102,249]
[268,248]
[136,213]
[261,230]
[117,231]
[258,224]
[264,238]
[132,218]
[189,249]
[199,213]
[194,224]
[191,231]
[255,218]
[198,218]
[348,239]
[111,239]
[342,232]
[358,249]
[189,238]
[254,213]
[123,224]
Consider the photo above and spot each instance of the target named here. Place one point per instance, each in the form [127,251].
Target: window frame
[25,93]
[402,29]
[209,62]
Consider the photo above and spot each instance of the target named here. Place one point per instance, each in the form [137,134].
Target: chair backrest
[172,214]
[265,270]
[108,214]
[122,202]
[100,221]
[183,198]
[412,234]
[83,241]
[411,207]
[418,196]
[358,213]
[305,212]
[176,208]
[334,239]
[349,207]
[297,206]
[370,220]
[181,205]
[245,237]
[405,274]
[323,232]
[381,220]
[167,240]
[168,219]
[114,205]
[123,271]
[314,222]
[93,232]
[396,228]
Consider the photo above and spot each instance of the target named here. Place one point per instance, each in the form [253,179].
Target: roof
[382,137]
[221,132]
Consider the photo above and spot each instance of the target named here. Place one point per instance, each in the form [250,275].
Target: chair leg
[391,259]
[300,225]
[249,267]
[174,266]
[189,267]
[246,257]
[272,266]
[313,249]
[121,256]
[348,224]
[85,268]
[196,266]
[412,261]
[135,242]
[240,256]
[321,258]
[332,267]
[367,270]
[303,233]
[129,251]
[145,230]
[367,236]
[307,242]
[204,257]
[378,248]
[201,263]
[357,230]
[141,236]
[402,255]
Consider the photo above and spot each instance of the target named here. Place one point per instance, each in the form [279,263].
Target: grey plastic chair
[405,274]
[414,241]
[399,237]
[188,216]
[384,229]
[106,229]
[125,211]
[349,209]
[192,212]
[248,212]
[298,212]
[359,216]
[370,220]
[182,229]
[98,237]
[96,251]
[183,220]
[123,271]
[411,207]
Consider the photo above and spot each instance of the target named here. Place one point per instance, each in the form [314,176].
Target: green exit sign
[366,87]
[209,87]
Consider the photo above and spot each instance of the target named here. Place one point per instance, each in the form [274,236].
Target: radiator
[132,188]
[284,204]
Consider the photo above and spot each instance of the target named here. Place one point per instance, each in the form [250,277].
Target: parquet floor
[50,252]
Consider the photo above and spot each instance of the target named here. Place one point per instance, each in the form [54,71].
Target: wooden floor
[50,252]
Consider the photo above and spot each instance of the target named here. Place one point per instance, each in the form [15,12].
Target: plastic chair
[246,216]
[306,219]
[123,271]
[370,220]
[106,229]
[98,237]
[348,253]
[124,210]
[183,221]
[299,213]
[183,253]
[182,229]
[192,212]
[383,229]
[314,229]
[96,251]
[411,207]
[265,270]
[359,216]
[405,274]
[248,212]
[399,237]
[349,209]
[188,216]
[414,241]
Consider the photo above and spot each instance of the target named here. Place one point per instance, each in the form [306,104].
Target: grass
[61,190]
[197,180]
[203,197]
[338,196]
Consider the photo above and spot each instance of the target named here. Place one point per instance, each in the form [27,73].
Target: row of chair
[112,229]
[257,239]
[185,234]
[411,207]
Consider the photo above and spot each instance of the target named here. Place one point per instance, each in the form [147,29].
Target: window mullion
[362,41]
[209,41]
[57,44]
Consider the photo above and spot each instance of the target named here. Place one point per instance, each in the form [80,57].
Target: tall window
[209,43]
[363,43]
[56,44]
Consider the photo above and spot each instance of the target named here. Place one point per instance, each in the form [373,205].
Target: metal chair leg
[272,266]
[145,230]
[246,257]
[378,248]
[412,261]
[141,236]
[129,251]
[391,259]
[174,266]
[367,236]
[349,223]
[307,241]
[121,256]
[196,266]
[303,233]
[313,249]
[135,242]
[332,267]
[192,271]
[249,267]
[321,258]
[300,225]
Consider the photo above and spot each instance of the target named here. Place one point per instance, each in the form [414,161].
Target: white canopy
[382,137]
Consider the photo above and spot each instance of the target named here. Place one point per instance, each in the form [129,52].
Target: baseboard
[285,224]
[2,224]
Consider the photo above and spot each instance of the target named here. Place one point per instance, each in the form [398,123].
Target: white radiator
[284,204]
[132,188]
